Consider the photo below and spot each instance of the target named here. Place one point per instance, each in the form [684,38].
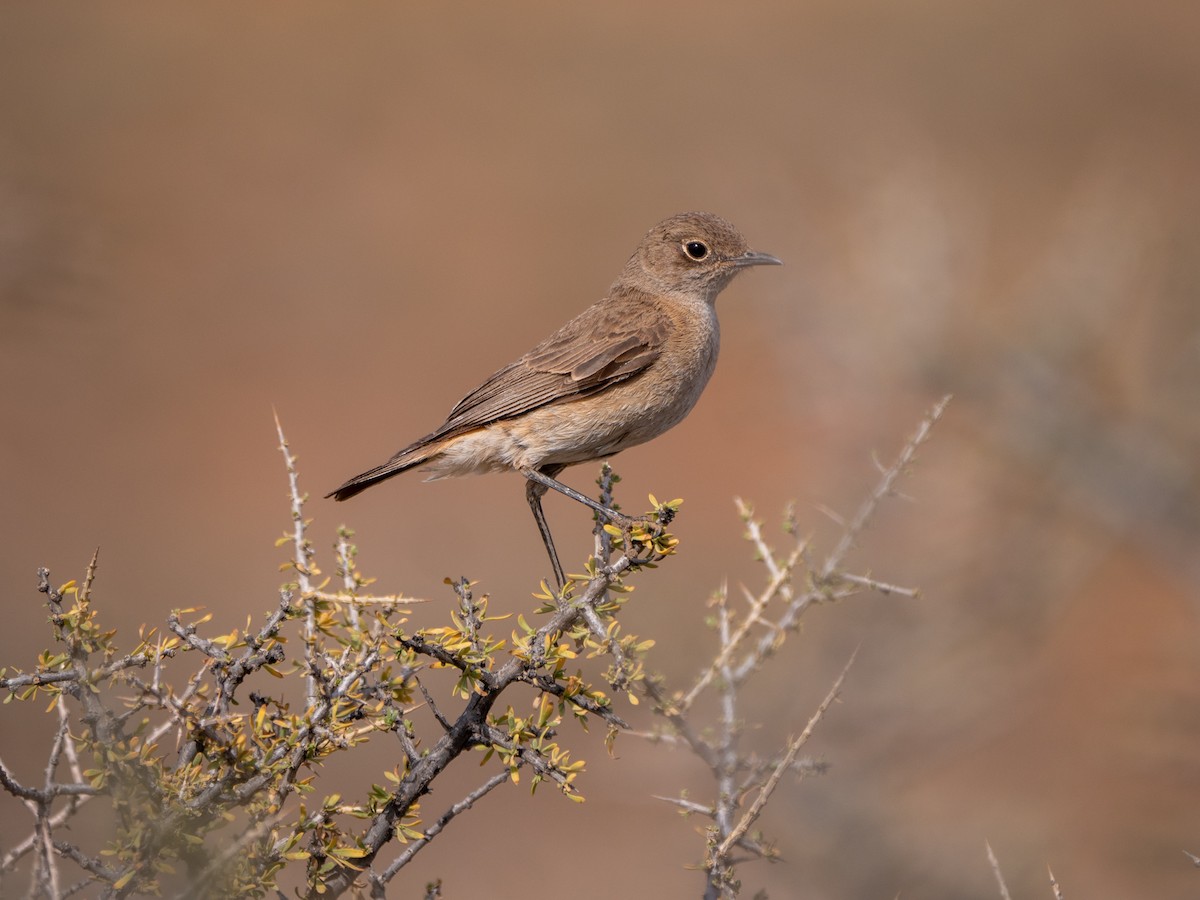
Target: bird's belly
[596,427]
[563,434]
[589,428]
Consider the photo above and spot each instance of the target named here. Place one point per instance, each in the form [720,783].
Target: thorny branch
[241,754]
[219,803]
[745,641]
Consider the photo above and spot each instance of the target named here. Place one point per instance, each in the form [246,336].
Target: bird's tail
[408,458]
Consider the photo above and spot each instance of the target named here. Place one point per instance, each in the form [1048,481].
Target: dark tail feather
[401,462]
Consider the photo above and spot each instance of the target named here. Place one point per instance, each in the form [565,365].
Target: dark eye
[696,249]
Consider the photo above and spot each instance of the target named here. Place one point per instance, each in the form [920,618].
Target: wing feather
[608,343]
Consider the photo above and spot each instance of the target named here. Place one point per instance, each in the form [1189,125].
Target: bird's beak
[754,258]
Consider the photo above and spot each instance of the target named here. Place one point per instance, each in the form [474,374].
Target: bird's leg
[544,477]
[541,480]
[534,490]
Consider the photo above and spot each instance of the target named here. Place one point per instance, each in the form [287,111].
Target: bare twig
[302,558]
[880,587]
[780,575]
[443,820]
[883,489]
[1054,886]
[785,763]
[995,864]
[825,578]
[351,600]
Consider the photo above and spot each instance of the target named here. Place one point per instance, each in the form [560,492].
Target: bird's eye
[695,249]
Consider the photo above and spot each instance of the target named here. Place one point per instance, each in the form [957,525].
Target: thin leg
[545,479]
[534,489]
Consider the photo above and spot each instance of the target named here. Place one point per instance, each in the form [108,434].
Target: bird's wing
[604,345]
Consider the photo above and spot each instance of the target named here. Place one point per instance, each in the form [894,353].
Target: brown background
[353,213]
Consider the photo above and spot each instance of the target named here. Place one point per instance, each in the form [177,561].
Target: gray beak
[754,258]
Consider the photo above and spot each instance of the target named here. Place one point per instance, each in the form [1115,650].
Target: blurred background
[354,213]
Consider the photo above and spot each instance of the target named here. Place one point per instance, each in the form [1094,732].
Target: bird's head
[691,253]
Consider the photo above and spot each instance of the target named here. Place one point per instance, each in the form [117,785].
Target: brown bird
[623,371]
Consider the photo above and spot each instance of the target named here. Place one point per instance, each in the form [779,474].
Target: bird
[622,372]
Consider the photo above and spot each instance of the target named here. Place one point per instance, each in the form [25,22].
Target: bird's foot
[645,537]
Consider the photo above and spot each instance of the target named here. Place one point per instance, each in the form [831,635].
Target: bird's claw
[646,538]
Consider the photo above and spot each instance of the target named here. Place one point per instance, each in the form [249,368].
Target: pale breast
[635,411]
